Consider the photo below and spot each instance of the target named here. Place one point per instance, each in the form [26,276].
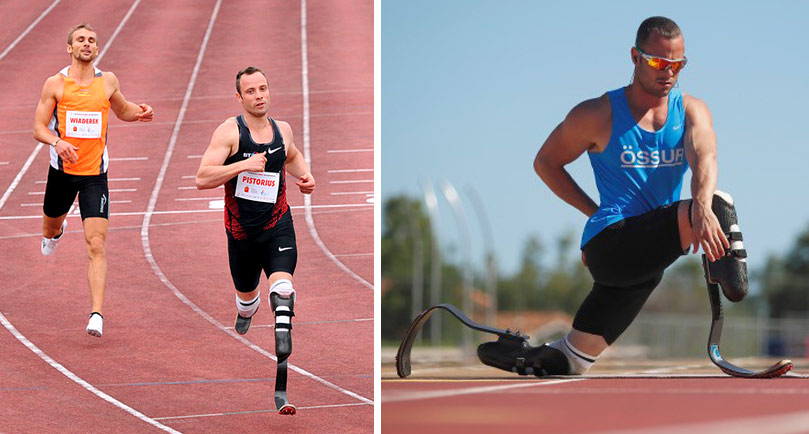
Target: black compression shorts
[61,190]
[273,250]
[627,260]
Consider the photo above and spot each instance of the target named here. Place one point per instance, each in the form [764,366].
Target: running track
[617,396]
[169,359]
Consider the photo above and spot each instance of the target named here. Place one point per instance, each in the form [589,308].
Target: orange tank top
[80,118]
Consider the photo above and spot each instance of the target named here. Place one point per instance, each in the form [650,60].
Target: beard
[653,89]
[85,58]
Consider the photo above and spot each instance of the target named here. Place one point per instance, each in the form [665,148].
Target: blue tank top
[639,170]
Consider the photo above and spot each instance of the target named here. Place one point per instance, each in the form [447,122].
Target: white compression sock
[579,361]
[248,308]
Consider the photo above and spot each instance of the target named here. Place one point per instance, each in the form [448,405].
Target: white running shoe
[50,244]
[96,324]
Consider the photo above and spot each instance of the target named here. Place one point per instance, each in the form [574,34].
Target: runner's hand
[306,183]
[708,232]
[146,114]
[66,151]
[255,163]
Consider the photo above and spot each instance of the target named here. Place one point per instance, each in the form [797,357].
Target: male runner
[249,154]
[640,139]
[71,118]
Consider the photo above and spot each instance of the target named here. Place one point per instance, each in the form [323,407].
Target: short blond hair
[80,26]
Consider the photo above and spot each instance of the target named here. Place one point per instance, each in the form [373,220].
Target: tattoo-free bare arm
[569,140]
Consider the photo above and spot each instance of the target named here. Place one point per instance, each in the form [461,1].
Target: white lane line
[307,199]
[20,174]
[339,151]
[349,255]
[313,407]
[129,159]
[3,163]
[194,188]
[400,396]
[28,29]
[147,217]
[349,206]
[185,199]
[193,156]
[189,177]
[109,180]
[352,181]
[349,170]
[343,193]
[108,44]
[112,190]
[76,379]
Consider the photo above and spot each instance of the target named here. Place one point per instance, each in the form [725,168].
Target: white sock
[579,361]
[248,308]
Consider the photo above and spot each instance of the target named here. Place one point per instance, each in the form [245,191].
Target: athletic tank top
[246,218]
[80,117]
[639,170]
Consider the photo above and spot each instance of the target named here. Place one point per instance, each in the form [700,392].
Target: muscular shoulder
[53,83]
[109,78]
[591,120]
[696,111]
[228,130]
[286,130]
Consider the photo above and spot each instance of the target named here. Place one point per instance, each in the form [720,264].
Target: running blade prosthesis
[282,307]
[776,370]
[403,355]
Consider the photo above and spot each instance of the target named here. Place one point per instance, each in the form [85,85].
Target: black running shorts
[61,190]
[627,260]
[273,250]
[636,249]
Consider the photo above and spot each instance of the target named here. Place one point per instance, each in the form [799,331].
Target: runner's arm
[123,109]
[212,172]
[700,151]
[42,117]
[296,163]
[566,143]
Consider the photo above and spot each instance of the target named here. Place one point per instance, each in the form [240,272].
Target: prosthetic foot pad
[520,357]
[287,409]
[729,271]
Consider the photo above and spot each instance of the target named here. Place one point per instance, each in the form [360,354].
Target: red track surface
[175,361]
[619,405]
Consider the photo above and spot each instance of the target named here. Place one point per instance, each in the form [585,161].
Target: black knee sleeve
[608,310]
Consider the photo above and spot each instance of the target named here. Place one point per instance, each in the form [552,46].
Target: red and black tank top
[245,218]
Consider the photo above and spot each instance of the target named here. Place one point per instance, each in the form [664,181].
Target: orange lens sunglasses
[661,63]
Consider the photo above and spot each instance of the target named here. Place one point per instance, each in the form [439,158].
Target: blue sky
[471,89]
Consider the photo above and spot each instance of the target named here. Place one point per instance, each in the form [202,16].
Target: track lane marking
[307,198]
[78,380]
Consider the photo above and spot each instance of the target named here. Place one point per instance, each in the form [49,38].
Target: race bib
[258,186]
[83,125]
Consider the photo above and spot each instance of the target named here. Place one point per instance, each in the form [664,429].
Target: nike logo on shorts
[283,249]
[270,151]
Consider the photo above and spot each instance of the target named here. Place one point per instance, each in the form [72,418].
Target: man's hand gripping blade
[403,355]
[776,370]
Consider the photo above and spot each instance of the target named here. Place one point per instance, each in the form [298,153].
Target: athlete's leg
[52,226]
[60,192]
[95,236]
[282,300]
[245,270]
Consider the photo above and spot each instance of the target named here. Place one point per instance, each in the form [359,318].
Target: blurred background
[471,89]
